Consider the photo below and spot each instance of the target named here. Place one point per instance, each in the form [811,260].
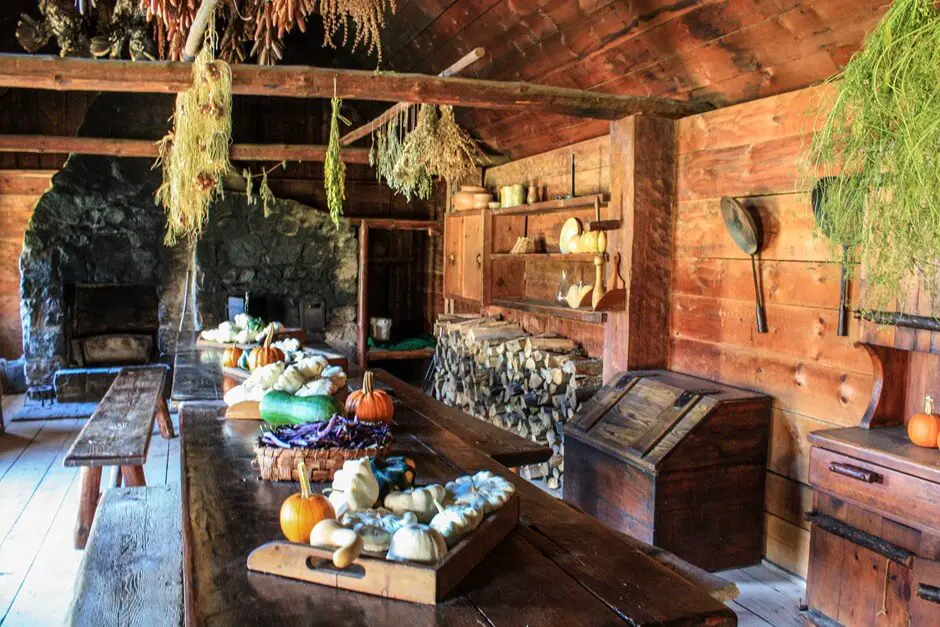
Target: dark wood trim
[362,314]
[583,314]
[886,405]
[898,319]
[862,538]
[73,74]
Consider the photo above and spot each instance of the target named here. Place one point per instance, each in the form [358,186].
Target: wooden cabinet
[875,529]
[463,256]
[675,461]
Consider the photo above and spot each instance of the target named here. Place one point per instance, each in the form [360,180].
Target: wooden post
[133,476]
[362,340]
[642,193]
[91,489]
[164,420]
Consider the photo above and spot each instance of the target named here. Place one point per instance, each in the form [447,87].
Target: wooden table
[559,567]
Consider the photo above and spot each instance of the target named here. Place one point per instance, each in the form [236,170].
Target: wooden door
[472,267]
[453,255]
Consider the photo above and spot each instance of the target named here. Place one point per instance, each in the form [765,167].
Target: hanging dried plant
[195,154]
[334,170]
[171,21]
[455,156]
[411,172]
[368,17]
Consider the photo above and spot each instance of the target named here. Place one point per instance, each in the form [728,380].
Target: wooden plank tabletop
[198,376]
[505,447]
[118,433]
[559,567]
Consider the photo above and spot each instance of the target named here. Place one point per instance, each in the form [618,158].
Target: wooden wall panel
[818,380]
[19,192]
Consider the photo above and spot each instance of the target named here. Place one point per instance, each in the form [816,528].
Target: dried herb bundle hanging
[456,155]
[368,17]
[883,136]
[411,172]
[195,154]
[334,170]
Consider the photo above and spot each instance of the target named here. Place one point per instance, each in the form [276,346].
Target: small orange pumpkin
[924,429]
[301,512]
[230,357]
[264,354]
[368,404]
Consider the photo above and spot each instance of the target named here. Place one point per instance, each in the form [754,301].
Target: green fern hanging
[334,170]
[881,140]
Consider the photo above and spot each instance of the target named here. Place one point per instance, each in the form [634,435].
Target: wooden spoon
[614,299]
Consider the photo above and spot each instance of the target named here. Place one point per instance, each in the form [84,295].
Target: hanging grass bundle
[456,155]
[195,154]
[882,140]
[334,170]
[411,171]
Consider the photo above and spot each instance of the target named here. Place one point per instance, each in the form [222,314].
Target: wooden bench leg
[91,488]
[164,420]
[133,476]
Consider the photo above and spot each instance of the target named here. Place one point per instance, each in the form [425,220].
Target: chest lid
[641,416]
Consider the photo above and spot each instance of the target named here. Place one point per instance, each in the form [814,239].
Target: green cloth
[407,344]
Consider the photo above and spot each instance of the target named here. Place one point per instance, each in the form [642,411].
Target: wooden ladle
[743,230]
[615,298]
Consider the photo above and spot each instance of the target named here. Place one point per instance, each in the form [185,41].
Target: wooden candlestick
[599,288]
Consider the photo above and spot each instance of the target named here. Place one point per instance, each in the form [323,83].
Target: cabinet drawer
[925,593]
[903,496]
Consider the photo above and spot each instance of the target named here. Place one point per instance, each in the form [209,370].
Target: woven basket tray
[280,464]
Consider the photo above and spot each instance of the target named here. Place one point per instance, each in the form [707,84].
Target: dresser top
[885,446]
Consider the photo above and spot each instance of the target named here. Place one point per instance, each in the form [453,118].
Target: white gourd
[312,367]
[354,487]
[335,374]
[483,490]
[420,500]
[417,543]
[376,527]
[330,533]
[454,522]
[291,381]
[317,387]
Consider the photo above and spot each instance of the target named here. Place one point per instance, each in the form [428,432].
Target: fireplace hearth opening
[111,324]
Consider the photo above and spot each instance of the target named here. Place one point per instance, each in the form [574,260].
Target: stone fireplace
[99,288]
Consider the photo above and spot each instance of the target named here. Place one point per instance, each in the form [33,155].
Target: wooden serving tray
[405,581]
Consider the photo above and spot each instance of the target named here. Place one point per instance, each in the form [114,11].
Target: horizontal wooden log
[72,74]
[145,148]
[367,128]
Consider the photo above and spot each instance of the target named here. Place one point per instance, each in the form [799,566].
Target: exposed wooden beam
[365,129]
[56,144]
[72,74]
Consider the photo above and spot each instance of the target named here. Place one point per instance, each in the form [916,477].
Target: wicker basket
[280,464]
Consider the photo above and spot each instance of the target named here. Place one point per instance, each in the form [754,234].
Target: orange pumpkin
[368,404]
[301,512]
[230,357]
[264,354]
[924,429]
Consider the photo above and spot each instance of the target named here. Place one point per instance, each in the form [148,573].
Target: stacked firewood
[529,384]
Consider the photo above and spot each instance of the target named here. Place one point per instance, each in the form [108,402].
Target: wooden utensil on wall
[743,230]
[615,298]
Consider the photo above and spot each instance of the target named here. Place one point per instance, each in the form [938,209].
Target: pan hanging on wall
[746,234]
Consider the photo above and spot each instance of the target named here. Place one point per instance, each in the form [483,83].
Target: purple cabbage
[339,432]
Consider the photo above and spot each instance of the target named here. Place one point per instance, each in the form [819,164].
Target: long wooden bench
[118,434]
[132,571]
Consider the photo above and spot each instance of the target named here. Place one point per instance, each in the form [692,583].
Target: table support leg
[133,476]
[91,488]
[164,420]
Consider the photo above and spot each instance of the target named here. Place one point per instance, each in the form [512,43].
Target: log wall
[818,380]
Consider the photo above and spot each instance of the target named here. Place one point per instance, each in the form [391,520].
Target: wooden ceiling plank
[446,26]
[145,148]
[311,82]
[455,68]
[409,22]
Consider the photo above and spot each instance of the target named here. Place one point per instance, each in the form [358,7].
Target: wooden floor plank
[44,597]
[747,618]
[22,543]
[20,482]
[17,437]
[770,594]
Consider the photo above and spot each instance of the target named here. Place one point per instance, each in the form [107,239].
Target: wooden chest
[675,461]
[875,533]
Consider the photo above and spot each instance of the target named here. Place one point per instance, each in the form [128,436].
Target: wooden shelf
[581,257]
[377,354]
[551,206]
[549,308]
